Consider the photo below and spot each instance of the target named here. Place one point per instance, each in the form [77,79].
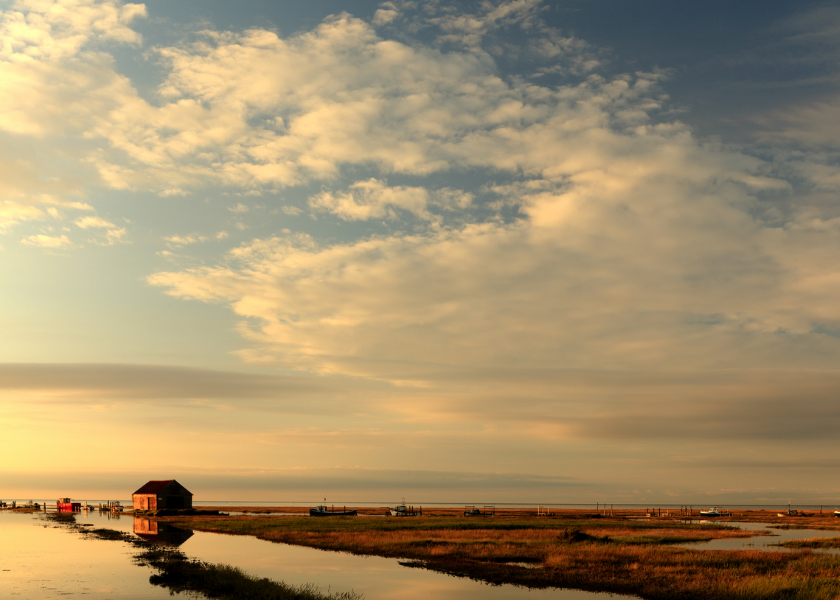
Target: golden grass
[609,555]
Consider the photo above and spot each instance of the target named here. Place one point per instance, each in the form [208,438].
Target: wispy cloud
[95,222]
[47,241]
[373,199]
[114,383]
[184,240]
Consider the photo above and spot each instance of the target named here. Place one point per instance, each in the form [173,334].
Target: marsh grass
[617,556]
[176,512]
[180,574]
[832,542]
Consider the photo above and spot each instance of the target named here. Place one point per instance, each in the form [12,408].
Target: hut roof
[156,486]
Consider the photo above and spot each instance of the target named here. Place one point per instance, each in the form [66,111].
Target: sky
[534,251]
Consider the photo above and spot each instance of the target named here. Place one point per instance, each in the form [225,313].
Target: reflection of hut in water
[160,533]
[156,495]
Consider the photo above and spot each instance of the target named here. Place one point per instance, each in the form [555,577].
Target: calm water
[763,542]
[42,561]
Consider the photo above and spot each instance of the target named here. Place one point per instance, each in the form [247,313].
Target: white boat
[401,510]
[837,513]
[712,512]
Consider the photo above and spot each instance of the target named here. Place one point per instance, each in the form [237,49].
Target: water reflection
[766,539]
[160,533]
[42,559]
[62,563]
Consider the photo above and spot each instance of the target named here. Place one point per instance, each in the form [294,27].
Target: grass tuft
[180,574]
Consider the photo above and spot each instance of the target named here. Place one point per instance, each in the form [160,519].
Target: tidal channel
[43,560]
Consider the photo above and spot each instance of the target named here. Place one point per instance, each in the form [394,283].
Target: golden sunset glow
[457,250]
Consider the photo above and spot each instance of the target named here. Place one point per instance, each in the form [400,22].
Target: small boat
[837,513]
[401,510]
[325,511]
[472,511]
[712,512]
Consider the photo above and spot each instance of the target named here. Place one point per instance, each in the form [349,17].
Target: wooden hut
[156,495]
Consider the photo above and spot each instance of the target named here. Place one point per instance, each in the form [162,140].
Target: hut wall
[145,501]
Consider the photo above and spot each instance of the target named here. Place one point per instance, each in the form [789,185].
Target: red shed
[166,493]
[67,504]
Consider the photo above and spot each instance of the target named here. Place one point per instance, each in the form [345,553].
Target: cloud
[113,234]
[311,483]
[26,191]
[12,213]
[55,82]
[385,15]
[470,29]
[639,237]
[813,124]
[336,96]
[544,222]
[184,240]
[115,383]
[92,221]
[373,199]
[42,42]
[47,241]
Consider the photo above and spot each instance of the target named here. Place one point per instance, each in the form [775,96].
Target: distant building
[162,494]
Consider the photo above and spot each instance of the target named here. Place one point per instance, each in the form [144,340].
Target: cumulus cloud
[590,232]
[55,82]
[631,245]
[339,95]
[42,42]
[386,13]
[253,111]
